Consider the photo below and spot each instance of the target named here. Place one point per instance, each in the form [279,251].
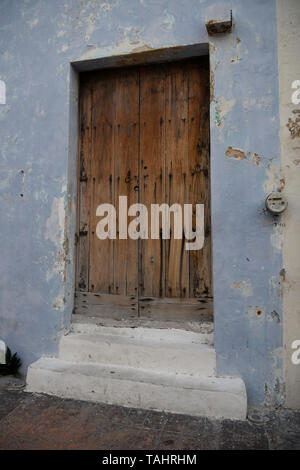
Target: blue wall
[39,39]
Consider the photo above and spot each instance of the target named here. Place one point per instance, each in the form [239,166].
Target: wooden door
[144,134]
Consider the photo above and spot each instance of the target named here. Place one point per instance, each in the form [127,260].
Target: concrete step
[219,397]
[90,321]
[203,335]
[166,351]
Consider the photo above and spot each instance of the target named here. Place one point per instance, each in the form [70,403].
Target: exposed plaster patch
[281,184]
[293,124]
[55,222]
[256,159]
[167,21]
[124,46]
[213,66]
[58,268]
[238,154]
[91,26]
[277,237]
[244,287]
[223,107]
[59,301]
[285,283]
[131,35]
[275,180]
[55,228]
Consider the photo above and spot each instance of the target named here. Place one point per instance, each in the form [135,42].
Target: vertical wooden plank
[152,174]
[126,170]
[102,169]
[199,171]
[84,187]
[176,144]
[144,135]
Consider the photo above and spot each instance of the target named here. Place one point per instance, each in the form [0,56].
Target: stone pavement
[32,421]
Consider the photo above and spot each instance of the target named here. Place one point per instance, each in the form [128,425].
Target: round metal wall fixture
[276,203]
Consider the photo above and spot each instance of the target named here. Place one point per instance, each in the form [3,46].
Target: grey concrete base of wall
[167,370]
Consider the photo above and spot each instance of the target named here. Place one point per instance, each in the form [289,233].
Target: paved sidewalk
[31,421]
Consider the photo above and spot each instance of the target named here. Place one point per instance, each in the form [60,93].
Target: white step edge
[132,323]
[204,336]
[218,397]
[186,355]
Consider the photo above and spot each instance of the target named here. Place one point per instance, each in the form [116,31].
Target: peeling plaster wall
[288,20]
[39,39]
[245,160]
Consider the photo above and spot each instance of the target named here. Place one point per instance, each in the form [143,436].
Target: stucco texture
[288,19]
[39,40]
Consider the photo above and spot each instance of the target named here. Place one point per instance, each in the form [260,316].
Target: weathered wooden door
[144,134]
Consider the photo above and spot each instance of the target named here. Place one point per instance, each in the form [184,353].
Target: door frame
[141,57]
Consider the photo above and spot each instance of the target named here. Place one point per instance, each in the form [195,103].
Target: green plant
[13,362]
